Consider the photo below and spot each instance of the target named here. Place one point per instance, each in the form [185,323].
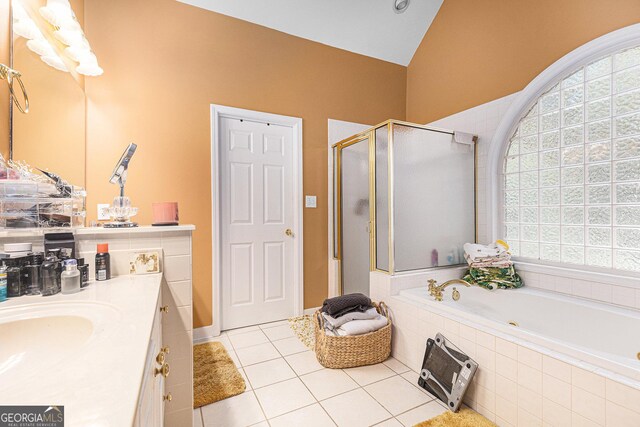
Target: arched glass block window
[572,169]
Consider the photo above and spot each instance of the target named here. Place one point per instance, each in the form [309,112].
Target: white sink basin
[38,337]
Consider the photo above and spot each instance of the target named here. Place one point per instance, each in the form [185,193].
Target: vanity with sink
[119,352]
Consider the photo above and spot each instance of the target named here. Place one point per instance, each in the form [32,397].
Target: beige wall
[166,62]
[478,51]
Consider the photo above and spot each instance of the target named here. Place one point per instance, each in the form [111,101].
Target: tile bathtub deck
[286,386]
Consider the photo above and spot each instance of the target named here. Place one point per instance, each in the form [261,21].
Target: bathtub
[600,337]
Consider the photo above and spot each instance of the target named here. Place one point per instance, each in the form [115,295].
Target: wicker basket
[351,351]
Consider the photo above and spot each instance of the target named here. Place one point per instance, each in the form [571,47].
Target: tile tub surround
[518,384]
[177,325]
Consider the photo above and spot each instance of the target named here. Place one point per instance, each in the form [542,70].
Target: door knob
[288,232]
[164,370]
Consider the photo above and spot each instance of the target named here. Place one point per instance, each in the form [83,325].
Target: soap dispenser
[70,277]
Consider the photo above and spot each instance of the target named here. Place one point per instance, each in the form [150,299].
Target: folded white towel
[332,323]
[359,327]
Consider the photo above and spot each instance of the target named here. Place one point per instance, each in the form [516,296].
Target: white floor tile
[289,346]
[391,422]
[261,424]
[241,411]
[242,330]
[304,363]
[328,382]
[309,416]
[396,395]
[266,373]
[283,397]
[197,418]
[257,353]
[421,413]
[368,374]
[234,356]
[354,409]
[278,332]
[397,366]
[248,339]
[412,378]
[274,324]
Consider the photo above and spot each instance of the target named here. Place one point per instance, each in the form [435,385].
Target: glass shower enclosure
[404,200]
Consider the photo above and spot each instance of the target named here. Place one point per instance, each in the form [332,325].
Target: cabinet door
[158,383]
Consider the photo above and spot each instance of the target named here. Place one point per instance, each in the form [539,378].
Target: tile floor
[286,386]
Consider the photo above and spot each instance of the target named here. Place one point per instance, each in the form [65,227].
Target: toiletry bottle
[31,275]
[70,277]
[14,278]
[103,262]
[49,275]
[3,283]
[434,258]
[84,272]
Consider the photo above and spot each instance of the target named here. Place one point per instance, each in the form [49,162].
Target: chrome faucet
[436,290]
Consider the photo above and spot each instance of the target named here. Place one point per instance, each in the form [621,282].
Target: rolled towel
[332,323]
[339,306]
[359,327]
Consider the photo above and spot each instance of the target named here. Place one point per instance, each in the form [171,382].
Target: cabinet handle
[164,309]
[165,349]
[164,370]
[167,397]
[160,358]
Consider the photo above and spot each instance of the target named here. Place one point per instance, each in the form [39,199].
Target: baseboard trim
[204,333]
[310,311]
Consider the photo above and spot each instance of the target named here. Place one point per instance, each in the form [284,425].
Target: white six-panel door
[256,219]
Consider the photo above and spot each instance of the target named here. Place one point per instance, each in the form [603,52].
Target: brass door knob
[288,232]
[164,370]
[164,309]
[160,358]
[165,349]
[167,397]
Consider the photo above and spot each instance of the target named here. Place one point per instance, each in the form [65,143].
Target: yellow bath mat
[215,376]
[463,418]
[303,327]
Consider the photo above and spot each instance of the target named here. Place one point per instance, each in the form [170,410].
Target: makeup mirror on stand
[121,210]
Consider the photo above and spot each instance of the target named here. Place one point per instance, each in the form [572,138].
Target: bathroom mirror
[52,135]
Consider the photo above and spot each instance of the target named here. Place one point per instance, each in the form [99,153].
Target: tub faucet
[436,290]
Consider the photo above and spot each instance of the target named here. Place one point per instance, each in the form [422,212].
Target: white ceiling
[367,27]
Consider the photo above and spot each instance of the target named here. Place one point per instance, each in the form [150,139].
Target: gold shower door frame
[370,134]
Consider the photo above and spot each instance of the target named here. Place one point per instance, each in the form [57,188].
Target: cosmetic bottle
[84,272]
[3,283]
[103,263]
[70,277]
[49,274]
[31,274]
[14,278]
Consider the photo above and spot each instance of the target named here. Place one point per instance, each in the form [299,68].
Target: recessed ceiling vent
[400,6]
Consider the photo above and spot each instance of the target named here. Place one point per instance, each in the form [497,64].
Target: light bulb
[55,62]
[60,16]
[27,28]
[70,37]
[77,53]
[89,69]
[41,47]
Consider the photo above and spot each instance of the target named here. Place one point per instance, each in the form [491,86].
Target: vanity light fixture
[69,32]
[25,27]
[65,28]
